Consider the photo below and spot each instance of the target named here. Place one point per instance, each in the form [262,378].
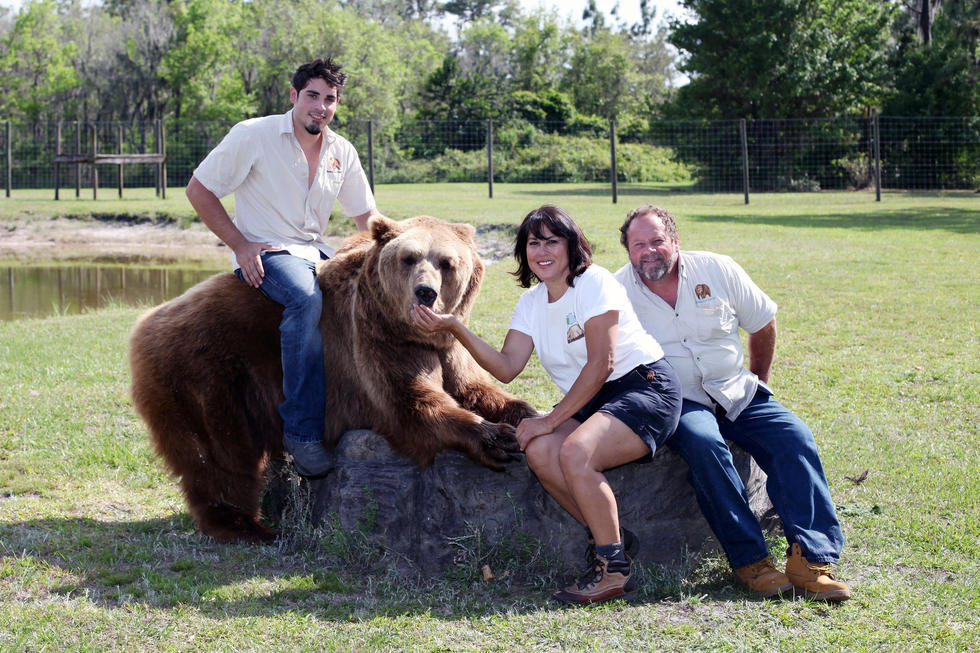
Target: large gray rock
[415,513]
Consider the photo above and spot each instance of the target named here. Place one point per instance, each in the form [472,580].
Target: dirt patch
[157,243]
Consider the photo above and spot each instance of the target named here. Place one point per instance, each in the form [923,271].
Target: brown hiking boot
[815,581]
[764,579]
[607,580]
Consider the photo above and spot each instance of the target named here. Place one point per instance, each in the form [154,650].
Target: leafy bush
[522,154]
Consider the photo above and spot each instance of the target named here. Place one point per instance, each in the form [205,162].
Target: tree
[464,101]
[782,58]
[924,12]
[938,76]
[197,68]
[36,70]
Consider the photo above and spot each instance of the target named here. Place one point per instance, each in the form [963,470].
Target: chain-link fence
[703,156]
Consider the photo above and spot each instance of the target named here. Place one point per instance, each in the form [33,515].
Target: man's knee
[697,442]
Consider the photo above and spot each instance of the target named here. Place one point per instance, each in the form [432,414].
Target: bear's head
[424,260]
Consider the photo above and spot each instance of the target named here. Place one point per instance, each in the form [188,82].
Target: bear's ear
[466,231]
[382,229]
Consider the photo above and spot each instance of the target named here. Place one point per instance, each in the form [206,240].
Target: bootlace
[592,576]
[762,567]
[824,568]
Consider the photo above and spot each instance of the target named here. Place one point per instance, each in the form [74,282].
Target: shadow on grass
[165,563]
[876,217]
[600,191]
[936,219]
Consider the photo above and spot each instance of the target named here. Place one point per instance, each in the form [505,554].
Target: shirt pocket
[715,319]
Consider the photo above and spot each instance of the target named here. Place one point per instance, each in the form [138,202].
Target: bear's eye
[445,265]
[409,259]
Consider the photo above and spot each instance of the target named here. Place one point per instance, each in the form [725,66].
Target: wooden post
[78,166]
[10,158]
[120,133]
[95,168]
[612,160]
[745,159]
[877,131]
[162,149]
[57,153]
[490,156]
[371,154]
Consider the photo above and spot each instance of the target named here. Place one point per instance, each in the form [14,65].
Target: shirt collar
[286,127]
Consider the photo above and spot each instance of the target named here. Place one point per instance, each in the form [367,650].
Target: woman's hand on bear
[428,320]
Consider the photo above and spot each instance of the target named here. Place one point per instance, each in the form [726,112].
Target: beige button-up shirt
[261,161]
[700,335]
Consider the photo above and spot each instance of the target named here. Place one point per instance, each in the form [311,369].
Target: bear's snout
[426,294]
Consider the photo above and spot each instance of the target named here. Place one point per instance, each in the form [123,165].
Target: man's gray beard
[658,274]
[312,129]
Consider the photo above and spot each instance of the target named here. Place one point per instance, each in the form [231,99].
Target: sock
[612,552]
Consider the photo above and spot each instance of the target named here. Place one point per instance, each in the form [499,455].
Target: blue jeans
[291,281]
[785,450]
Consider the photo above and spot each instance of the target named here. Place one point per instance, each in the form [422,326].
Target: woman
[622,399]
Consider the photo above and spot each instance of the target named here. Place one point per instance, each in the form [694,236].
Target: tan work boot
[815,581]
[764,579]
[607,580]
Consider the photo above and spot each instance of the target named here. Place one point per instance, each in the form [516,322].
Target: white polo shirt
[558,328]
[700,335]
[261,161]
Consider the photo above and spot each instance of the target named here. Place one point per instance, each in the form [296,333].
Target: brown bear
[207,379]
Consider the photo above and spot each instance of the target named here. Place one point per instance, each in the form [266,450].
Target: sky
[629,10]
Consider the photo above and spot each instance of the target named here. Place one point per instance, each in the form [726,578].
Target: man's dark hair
[559,223]
[648,209]
[324,69]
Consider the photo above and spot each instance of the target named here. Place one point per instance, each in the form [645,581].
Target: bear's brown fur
[206,373]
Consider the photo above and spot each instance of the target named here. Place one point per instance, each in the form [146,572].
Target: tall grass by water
[878,351]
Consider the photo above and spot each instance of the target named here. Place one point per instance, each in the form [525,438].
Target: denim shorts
[647,399]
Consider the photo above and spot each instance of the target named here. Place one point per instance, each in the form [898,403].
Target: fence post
[120,132]
[745,159]
[10,158]
[95,168]
[78,166]
[162,149]
[490,157]
[877,138]
[371,154]
[57,153]
[612,159]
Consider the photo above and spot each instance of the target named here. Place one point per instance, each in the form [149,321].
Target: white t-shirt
[700,335]
[558,328]
[261,161]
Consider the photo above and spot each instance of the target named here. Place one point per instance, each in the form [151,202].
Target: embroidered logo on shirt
[702,291]
[574,330]
[333,163]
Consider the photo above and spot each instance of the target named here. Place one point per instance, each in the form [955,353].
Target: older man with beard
[693,303]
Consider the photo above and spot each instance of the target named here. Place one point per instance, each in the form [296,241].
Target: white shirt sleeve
[522,317]
[225,168]
[753,307]
[599,293]
[355,194]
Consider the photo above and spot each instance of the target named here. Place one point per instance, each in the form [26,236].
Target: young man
[694,303]
[287,171]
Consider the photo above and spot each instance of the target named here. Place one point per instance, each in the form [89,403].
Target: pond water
[44,291]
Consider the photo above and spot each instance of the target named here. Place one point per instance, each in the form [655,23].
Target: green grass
[878,351]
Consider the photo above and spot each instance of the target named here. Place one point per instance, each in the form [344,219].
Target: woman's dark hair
[559,223]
